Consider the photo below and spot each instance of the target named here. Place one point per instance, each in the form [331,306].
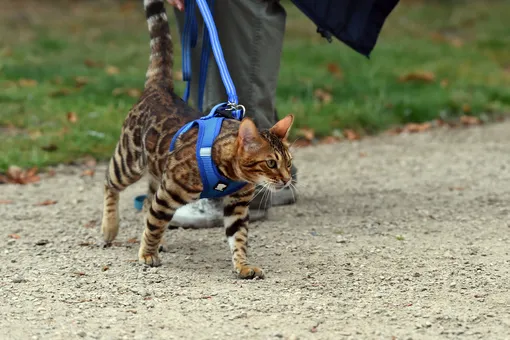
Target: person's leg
[251,35]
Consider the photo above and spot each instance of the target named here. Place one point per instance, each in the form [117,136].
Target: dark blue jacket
[357,23]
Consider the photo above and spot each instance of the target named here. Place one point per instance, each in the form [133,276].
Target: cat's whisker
[256,194]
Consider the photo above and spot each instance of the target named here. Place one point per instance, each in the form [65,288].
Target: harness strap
[214,184]
[188,41]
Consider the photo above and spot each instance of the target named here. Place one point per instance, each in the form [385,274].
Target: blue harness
[214,184]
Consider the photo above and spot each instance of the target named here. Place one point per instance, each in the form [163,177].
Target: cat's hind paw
[250,272]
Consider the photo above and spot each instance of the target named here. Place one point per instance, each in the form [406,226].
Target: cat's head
[263,157]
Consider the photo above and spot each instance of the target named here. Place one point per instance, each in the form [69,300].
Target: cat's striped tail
[161,58]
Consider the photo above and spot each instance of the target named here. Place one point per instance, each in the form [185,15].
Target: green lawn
[56,58]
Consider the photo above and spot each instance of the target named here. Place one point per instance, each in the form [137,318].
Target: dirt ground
[402,237]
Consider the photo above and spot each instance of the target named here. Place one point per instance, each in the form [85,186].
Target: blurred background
[70,71]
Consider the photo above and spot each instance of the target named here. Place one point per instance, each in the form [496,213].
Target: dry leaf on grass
[92,63]
[307,133]
[323,96]
[413,127]
[16,175]
[177,75]
[329,140]
[72,117]
[47,202]
[133,240]
[466,108]
[27,82]
[49,147]
[60,92]
[335,70]
[351,135]
[421,76]
[14,236]
[452,40]
[80,81]
[132,92]
[301,142]
[470,120]
[6,201]
[111,70]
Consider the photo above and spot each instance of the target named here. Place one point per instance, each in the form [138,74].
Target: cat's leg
[236,219]
[169,197]
[123,170]
[151,191]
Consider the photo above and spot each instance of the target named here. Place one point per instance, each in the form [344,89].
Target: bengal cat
[241,153]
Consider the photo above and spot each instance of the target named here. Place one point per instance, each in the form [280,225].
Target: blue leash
[210,39]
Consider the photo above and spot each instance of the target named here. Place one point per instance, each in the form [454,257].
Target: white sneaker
[207,213]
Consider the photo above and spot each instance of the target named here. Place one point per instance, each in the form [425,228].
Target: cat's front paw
[250,272]
[149,259]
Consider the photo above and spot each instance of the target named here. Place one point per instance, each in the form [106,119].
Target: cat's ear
[282,127]
[249,136]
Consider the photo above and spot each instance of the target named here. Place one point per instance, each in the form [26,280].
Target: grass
[57,58]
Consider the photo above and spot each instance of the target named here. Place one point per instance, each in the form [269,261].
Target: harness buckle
[238,110]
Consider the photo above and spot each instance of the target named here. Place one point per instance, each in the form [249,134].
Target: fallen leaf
[307,133]
[80,81]
[58,80]
[323,96]
[128,6]
[301,142]
[470,120]
[351,135]
[413,127]
[27,82]
[49,147]
[47,202]
[423,76]
[362,154]
[111,70]
[88,172]
[72,117]
[14,236]
[105,268]
[177,75]
[329,140]
[133,240]
[335,70]
[80,273]
[92,63]
[16,175]
[395,131]
[134,93]
[454,41]
[60,92]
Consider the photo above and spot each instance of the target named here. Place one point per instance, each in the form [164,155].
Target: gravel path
[403,237]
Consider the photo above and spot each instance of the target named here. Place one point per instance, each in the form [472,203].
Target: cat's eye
[289,163]
[271,163]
